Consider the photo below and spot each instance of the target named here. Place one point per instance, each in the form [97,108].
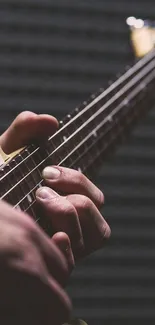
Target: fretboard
[84,136]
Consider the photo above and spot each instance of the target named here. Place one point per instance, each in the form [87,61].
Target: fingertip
[50,119]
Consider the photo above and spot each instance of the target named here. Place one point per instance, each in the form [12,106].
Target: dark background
[53,54]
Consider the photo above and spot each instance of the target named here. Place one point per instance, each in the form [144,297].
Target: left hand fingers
[95,230]
[77,216]
[62,216]
[70,181]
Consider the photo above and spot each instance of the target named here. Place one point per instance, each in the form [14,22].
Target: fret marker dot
[29,198]
[64,138]
[79,170]
[126,102]
[110,118]
[94,134]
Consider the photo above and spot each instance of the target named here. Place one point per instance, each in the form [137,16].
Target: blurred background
[53,55]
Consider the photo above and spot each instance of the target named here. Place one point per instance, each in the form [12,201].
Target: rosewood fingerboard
[83,138]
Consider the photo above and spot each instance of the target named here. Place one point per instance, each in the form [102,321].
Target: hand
[32,273]
[17,136]
[32,268]
[76,212]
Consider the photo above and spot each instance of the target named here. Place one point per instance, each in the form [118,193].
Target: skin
[29,257]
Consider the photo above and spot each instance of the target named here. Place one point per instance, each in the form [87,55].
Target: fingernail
[51,173]
[43,193]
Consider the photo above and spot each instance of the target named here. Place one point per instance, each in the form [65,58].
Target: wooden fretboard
[84,135]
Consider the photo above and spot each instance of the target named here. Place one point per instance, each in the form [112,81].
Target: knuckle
[21,118]
[80,178]
[68,210]
[85,205]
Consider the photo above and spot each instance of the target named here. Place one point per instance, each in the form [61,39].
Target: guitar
[86,134]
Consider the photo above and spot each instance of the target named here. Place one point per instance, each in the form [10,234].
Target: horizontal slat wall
[53,54]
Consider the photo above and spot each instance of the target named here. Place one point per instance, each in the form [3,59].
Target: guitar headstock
[142,35]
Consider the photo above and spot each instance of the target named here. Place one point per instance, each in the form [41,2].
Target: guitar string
[70,165]
[95,142]
[108,119]
[88,121]
[115,112]
[138,66]
[122,79]
[108,103]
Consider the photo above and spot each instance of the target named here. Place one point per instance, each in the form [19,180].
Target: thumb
[26,128]
[62,241]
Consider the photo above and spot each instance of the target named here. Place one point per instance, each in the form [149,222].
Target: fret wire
[73,165]
[31,212]
[117,122]
[51,154]
[139,65]
[89,120]
[20,163]
[94,158]
[96,129]
[19,190]
[106,146]
[38,219]
[39,164]
[32,190]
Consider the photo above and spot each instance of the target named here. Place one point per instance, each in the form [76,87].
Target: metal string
[140,64]
[137,78]
[115,112]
